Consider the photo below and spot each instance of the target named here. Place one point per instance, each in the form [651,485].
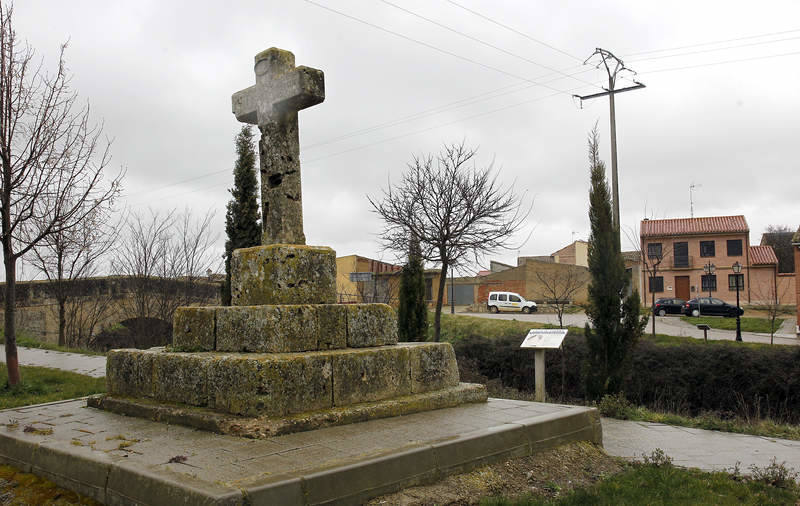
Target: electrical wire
[715,49]
[545,44]
[487,44]
[747,37]
[430,46]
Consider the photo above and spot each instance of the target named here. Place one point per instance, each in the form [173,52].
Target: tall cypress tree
[616,324]
[241,217]
[412,313]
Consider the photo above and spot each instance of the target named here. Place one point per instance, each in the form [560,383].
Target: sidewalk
[90,365]
[705,449]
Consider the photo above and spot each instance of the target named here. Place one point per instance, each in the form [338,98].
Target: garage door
[463,294]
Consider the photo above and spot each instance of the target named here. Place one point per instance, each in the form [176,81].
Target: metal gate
[464,294]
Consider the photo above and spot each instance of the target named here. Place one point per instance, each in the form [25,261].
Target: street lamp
[737,269]
[709,269]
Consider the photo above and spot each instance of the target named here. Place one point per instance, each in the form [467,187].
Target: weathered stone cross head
[280,91]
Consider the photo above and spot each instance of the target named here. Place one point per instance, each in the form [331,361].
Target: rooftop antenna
[691,197]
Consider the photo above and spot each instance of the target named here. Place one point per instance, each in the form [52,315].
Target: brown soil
[547,474]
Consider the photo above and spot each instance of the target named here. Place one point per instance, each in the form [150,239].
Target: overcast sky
[160,75]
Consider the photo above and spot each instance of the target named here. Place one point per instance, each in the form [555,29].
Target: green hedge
[749,382]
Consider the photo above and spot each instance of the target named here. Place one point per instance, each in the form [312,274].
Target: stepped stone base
[283,328]
[283,274]
[266,427]
[279,384]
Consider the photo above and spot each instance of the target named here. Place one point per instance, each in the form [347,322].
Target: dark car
[664,307]
[709,306]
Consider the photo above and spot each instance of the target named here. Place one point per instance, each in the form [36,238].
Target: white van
[509,301]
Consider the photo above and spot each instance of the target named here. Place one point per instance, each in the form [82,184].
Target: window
[493,296]
[654,250]
[428,289]
[503,297]
[680,253]
[732,281]
[734,247]
[513,298]
[707,249]
[709,282]
[656,284]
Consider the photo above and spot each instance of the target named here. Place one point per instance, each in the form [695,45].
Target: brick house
[686,245]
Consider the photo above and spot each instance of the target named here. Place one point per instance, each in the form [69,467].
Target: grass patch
[41,384]
[17,487]
[617,406]
[657,481]
[760,325]
[456,327]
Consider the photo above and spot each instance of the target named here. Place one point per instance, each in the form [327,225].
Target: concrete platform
[121,460]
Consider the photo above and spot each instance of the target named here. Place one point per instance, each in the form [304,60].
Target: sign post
[541,340]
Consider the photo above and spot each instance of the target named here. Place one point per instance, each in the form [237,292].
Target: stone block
[281,329]
[433,366]
[194,328]
[283,274]
[181,377]
[370,325]
[370,374]
[270,384]
[129,372]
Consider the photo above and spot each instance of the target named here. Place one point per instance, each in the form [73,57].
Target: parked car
[509,301]
[710,306]
[664,307]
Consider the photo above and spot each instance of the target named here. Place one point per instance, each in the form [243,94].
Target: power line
[712,64]
[429,46]
[545,44]
[487,44]
[716,49]
[499,92]
[714,42]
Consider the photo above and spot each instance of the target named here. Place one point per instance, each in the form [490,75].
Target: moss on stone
[283,274]
[370,374]
[433,366]
[371,325]
[194,328]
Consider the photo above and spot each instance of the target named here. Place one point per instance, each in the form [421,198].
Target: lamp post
[709,269]
[737,269]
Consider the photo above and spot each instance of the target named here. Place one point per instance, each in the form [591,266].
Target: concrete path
[90,365]
[705,449]
[670,325]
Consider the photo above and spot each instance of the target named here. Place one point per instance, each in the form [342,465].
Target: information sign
[544,339]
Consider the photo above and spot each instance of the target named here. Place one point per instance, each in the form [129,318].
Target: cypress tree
[616,324]
[242,225]
[412,313]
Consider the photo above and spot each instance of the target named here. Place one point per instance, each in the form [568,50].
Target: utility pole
[613,66]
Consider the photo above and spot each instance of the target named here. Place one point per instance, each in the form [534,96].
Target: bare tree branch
[455,209]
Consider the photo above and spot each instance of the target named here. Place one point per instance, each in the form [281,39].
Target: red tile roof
[762,255]
[694,226]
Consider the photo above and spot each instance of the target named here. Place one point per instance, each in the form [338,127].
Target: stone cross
[280,91]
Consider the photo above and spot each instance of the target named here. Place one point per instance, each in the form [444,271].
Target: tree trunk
[437,319]
[12,360]
[62,321]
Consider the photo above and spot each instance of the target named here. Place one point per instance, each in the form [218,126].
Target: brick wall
[797,281]
[510,285]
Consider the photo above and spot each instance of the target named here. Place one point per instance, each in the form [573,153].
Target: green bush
[747,382]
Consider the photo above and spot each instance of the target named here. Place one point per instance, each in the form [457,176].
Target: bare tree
[558,287]
[651,260]
[162,259]
[455,210]
[771,295]
[52,161]
[71,255]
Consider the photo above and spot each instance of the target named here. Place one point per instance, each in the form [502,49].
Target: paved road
[705,449]
[671,325]
[90,365]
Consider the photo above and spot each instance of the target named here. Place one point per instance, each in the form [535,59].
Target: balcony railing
[682,262]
